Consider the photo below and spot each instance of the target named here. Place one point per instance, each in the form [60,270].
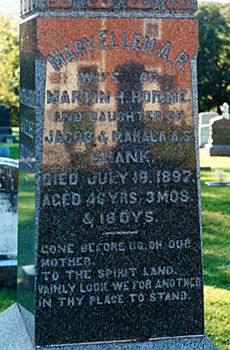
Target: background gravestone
[109,235]
[4,151]
[9,221]
[219,141]
[5,125]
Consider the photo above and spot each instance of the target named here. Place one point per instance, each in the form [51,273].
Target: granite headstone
[6,134]
[9,221]
[4,151]
[219,141]
[110,225]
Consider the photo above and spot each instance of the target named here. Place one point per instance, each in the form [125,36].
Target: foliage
[214,56]
[9,64]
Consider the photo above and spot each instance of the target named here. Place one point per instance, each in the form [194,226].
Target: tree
[213,57]
[9,64]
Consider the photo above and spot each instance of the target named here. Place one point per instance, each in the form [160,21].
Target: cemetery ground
[216,250]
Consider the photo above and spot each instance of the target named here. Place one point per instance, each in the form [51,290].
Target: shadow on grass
[216,271]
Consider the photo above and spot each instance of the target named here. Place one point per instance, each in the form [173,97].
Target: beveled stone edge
[13,336]
[201,342]
[100,14]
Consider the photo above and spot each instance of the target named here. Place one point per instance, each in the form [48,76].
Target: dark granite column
[110,239]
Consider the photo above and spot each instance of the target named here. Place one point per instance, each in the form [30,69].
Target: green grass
[7,298]
[216,235]
[216,250]
[217,312]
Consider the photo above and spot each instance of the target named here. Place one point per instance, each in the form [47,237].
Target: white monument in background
[225,110]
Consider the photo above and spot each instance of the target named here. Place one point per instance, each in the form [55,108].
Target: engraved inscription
[108,41]
[27,97]
[59,3]
[178,4]
[139,4]
[100,3]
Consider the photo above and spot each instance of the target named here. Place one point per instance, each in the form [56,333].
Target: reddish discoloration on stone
[99,4]
[172,38]
[59,3]
[59,32]
[139,4]
[178,5]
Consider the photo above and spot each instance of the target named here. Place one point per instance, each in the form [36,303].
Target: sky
[8,5]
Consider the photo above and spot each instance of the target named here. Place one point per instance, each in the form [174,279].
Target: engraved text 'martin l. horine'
[108,125]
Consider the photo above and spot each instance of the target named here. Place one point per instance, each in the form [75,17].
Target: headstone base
[13,336]
[8,273]
[217,183]
[218,150]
